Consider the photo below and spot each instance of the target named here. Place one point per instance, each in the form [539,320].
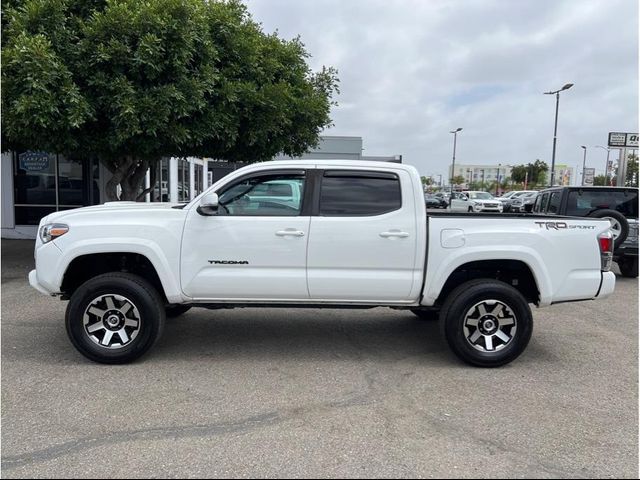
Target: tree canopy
[534,173]
[129,82]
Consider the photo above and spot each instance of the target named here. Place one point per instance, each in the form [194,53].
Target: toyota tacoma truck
[338,234]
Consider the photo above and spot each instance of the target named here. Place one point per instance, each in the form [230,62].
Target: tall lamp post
[584,162]
[555,129]
[453,166]
[606,167]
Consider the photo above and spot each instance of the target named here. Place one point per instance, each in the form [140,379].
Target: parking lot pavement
[318,393]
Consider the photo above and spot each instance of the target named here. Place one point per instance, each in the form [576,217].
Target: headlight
[52,231]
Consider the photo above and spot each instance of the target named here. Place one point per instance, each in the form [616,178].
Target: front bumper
[33,281]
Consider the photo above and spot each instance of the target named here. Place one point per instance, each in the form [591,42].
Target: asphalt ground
[318,393]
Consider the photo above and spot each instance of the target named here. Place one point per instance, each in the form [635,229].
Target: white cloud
[411,71]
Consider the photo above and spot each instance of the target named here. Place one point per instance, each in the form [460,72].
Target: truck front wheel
[115,318]
[486,323]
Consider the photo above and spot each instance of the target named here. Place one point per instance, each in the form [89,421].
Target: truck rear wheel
[115,318]
[486,323]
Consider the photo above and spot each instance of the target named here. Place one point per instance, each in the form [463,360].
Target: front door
[255,247]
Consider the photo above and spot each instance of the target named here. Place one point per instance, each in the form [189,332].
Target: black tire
[628,267]
[115,297]
[175,310]
[620,218]
[473,346]
[426,315]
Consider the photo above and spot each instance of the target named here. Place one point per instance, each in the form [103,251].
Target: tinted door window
[554,202]
[543,202]
[359,193]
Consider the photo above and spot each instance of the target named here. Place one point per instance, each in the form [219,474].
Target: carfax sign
[623,140]
[34,161]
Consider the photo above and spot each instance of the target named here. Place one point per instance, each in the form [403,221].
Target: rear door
[362,243]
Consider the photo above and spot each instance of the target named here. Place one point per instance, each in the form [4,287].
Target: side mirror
[208,205]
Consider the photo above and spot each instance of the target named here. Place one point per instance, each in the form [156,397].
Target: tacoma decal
[228,262]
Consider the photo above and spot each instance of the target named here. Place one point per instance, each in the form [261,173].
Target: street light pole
[453,165]
[584,162]
[555,129]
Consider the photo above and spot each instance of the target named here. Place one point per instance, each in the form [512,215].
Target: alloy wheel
[111,321]
[490,325]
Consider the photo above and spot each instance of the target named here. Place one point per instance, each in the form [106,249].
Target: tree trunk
[129,173]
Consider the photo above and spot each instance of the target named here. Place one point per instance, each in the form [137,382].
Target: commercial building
[477,173]
[35,184]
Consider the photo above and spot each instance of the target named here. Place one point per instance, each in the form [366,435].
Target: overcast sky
[411,71]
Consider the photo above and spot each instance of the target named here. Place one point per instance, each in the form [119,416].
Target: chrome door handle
[394,233]
[290,232]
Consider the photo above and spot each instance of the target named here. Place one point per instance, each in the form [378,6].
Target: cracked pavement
[318,393]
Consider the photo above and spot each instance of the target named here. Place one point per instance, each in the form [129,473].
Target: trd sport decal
[228,262]
[562,225]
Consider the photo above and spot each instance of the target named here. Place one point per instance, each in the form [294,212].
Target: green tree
[600,180]
[129,82]
[458,180]
[632,170]
[428,181]
[533,173]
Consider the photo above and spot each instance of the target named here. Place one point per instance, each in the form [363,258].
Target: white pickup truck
[315,234]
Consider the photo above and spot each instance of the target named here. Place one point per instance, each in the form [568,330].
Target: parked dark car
[617,204]
[432,201]
[524,203]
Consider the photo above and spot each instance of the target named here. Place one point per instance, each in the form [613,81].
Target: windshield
[480,196]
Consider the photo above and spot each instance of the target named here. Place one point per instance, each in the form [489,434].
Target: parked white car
[474,201]
[356,236]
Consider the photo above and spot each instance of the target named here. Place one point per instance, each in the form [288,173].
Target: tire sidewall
[624,224]
[469,294]
[139,292]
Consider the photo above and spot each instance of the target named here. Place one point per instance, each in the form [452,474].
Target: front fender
[166,267]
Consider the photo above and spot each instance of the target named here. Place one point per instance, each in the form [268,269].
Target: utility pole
[453,165]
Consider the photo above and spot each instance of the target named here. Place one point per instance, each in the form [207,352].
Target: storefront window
[197,173]
[161,190]
[183,180]
[45,183]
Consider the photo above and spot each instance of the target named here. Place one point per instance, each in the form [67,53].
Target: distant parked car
[508,201]
[619,205]
[473,201]
[524,203]
[433,201]
[445,196]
